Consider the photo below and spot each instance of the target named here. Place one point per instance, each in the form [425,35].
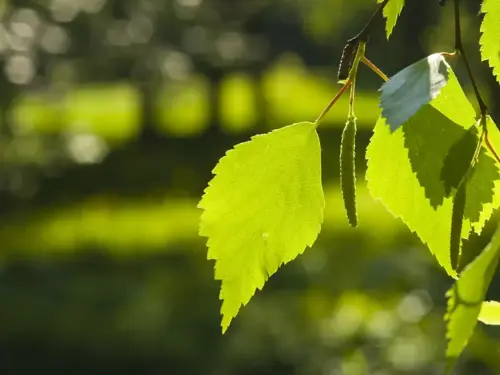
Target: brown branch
[334,100]
[460,48]
[373,67]
[363,34]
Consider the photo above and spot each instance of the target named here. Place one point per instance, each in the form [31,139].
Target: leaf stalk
[373,67]
[333,101]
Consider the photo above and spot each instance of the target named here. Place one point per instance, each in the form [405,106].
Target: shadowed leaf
[405,172]
[458,159]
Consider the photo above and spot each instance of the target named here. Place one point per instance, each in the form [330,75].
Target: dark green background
[113,114]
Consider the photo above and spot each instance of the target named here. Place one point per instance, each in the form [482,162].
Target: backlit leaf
[490,38]
[405,171]
[466,297]
[411,88]
[262,209]
[391,13]
[490,313]
[493,137]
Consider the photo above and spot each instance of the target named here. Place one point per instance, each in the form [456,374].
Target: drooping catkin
[348,170]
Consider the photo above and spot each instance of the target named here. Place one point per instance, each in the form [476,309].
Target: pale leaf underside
[411,88]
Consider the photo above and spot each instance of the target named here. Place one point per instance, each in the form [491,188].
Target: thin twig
[483,137]
[373,67]
[460,48]
[361,37]
[449,54]
[490,147]
[363,34]
[351,114]
[334,100]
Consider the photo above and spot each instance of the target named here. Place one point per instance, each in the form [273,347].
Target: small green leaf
[348,170]
[466,297]
[405,171]
[490,313]
[490,39]
[411,88]
[262,209]
[391,13]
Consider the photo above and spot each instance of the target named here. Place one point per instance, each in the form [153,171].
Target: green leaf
[493,136]
[490,40]
[262,208]
[490,313]
[391,13]
[405,171]
[466,297]
[411,88]
[458,159]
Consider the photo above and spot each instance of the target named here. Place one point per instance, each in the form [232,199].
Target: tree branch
[333,101]
[361,37]
[363,34]
[460,48]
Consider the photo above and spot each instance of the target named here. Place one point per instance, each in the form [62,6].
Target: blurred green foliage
[112,116]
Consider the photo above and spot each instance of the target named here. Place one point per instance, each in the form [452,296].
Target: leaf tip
[224,328]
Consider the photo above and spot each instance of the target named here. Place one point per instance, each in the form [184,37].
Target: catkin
[347,59]
[456,224]
[347,170]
